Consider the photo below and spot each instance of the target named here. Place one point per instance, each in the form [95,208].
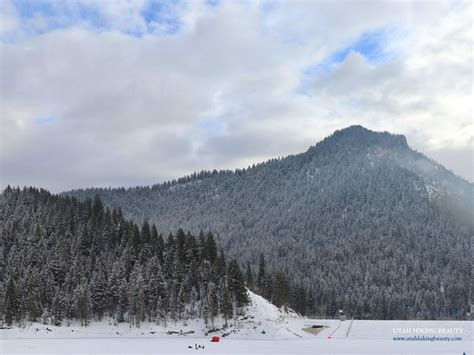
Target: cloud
[137,92]
[426,93]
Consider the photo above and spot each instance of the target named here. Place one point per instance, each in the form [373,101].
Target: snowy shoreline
[269,330]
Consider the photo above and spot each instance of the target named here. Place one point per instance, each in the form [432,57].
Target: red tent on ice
[215,339]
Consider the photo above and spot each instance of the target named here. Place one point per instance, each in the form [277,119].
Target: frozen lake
[369,337]
[267,330]
[230,346]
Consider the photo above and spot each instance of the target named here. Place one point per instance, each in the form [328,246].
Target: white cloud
[137,110]
[425,93]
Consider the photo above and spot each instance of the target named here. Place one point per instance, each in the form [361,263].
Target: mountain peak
[360,136]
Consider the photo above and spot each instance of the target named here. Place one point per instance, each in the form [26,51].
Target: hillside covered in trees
[64,259]
[362,221]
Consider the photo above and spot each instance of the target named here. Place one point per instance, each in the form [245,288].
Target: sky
[136,92]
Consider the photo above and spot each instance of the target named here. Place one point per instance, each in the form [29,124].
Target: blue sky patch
[212,2]
[372,45]
[57,14]
[162,12]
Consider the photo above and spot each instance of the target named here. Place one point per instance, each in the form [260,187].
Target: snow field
[266,330]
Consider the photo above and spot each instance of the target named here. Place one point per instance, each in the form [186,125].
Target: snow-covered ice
[267,330]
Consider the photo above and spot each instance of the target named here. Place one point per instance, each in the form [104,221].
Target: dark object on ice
[152,332]
[49,330]
[172,332]
[228,333]
[213,330]
[315,329]
[215,339]
[190,347]
[263,332]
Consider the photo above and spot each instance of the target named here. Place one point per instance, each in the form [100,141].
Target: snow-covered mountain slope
[337,216]
[264,320]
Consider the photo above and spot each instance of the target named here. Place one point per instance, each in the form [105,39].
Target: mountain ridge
[358,134]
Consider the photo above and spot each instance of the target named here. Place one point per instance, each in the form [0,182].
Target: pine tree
[122,302]
[11,302]
[135,289]
[203,311]
[267,291]
[33,307]
[281,290]
[59,307]
[226,305]
[135,239]
[146,233]
[83,303]
[220,266]
[99,294]
[161,314]
[140,306]
[211,248]
[261,274]
[237,284]
[249,277]
[113,289]
[212,302]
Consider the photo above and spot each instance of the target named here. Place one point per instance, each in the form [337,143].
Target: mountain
[361,220]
